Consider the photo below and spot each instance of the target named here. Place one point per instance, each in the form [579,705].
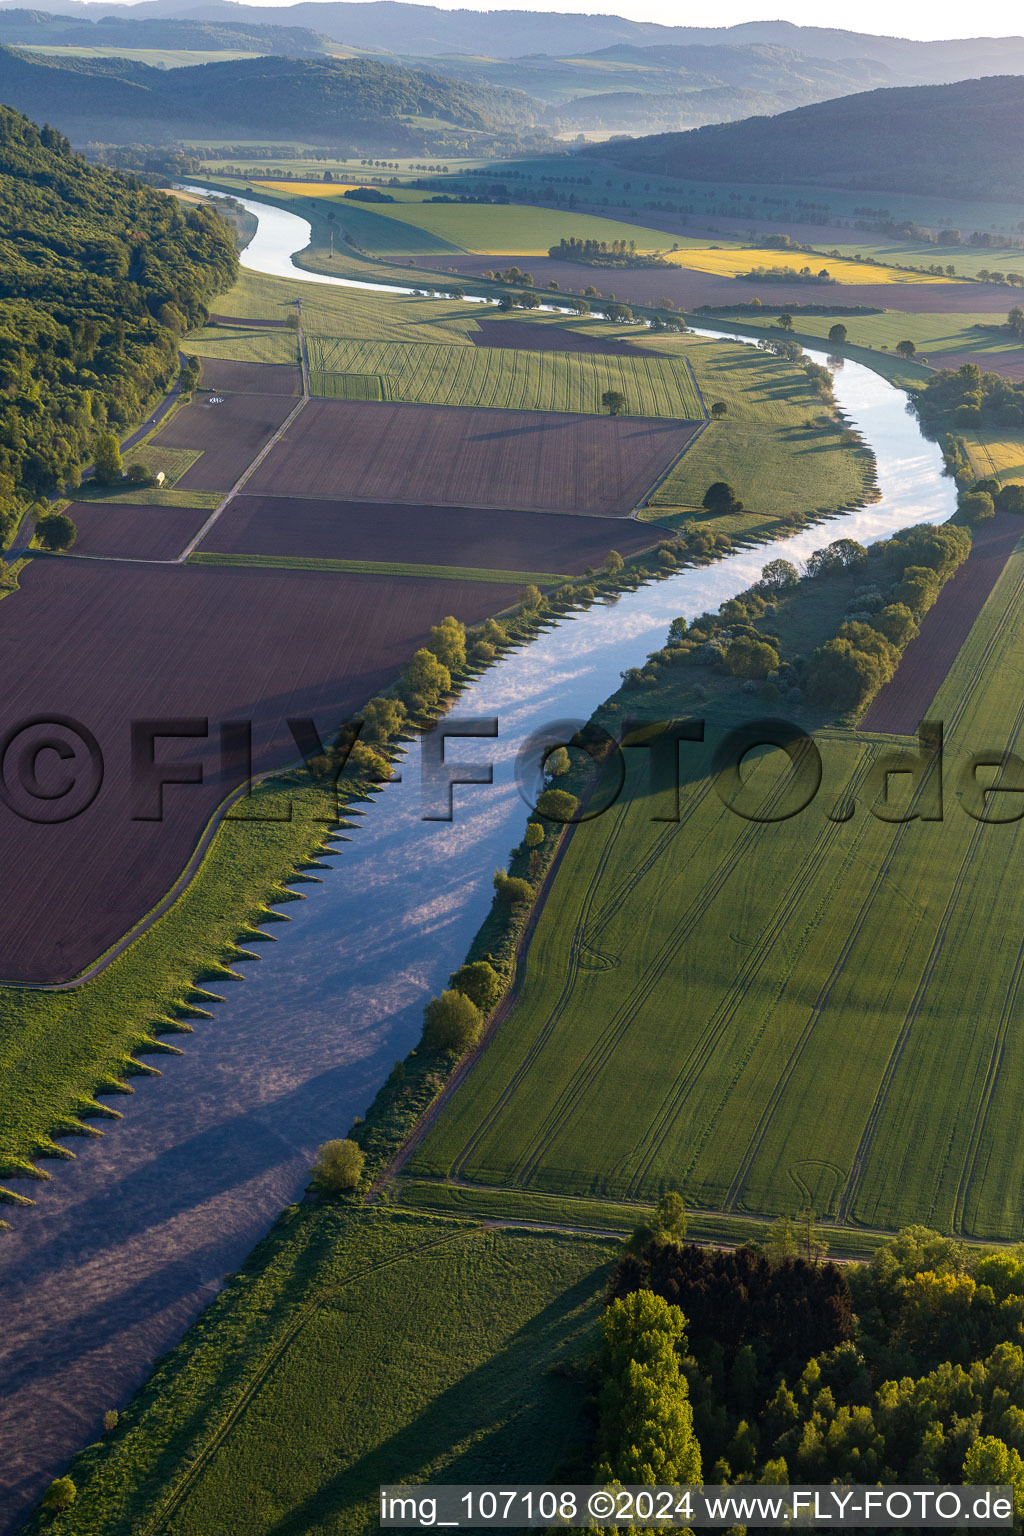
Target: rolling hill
[348,101]
[953,140]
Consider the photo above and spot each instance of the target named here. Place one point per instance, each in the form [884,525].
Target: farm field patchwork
[687,289]
[691,986]
[944,340]
[521,380]
[229,430]
[134,532]
[197,642]
[524,460]
[454,536]
[544,335]
[298,1379]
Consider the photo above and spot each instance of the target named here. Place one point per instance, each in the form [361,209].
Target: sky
[891,18]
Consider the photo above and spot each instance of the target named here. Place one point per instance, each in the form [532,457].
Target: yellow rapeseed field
[731,261]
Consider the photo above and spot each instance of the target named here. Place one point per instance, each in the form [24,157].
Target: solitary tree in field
[786,321]
[56,531]
[838,333]
[905,348]
[720,498]
[719,410]
[339,1166]
[106,459]
[615,402]
[1015,320]
[60,1495]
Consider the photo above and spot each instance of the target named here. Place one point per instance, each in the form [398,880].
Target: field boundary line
[247,474]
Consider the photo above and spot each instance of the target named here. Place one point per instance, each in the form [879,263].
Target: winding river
[128,1242]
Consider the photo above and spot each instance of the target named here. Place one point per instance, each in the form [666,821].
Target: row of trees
[605,253]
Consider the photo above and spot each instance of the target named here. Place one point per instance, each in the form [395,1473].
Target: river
[127,1243]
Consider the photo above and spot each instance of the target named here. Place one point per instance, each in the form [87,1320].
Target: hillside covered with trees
[99,278]
[963,140]
[329,100]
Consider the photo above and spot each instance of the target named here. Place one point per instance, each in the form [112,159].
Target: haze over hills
[356,101]
[46,28]
[400,27]
[953,140]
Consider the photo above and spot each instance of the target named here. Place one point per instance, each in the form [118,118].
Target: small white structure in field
[160,477]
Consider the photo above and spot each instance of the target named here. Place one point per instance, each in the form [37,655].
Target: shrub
[557,805]
[448,643]
[479,981]
[56,531]
[383,718]
[111,1419]
[846,670]
[425,680]
[747,657]
[896,623]
[140,474]
[452,1022]
[338,1166]
[977,506]
[918,589]
[511,889]
[1011,498]
[534,835]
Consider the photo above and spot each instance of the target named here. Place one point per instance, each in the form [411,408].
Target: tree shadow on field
[517,1410]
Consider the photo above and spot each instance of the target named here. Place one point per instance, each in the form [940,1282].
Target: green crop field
[695,991]
[245,345]
[932,334]
[777,447]
[501,228]
[328,1368]
[514,380]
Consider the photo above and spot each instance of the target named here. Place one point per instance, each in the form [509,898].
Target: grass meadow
[695,992]
[933,334]
[241,344]
[357,1348]
[778,448]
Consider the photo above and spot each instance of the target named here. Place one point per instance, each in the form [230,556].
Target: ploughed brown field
[221,374]
[423,535]
[143,641]
[902,703]
[688,290]
[525,336]
[134,533]
[351,450]
[230,436]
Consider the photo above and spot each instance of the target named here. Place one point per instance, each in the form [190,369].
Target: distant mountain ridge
[25,27]
[399,27]
[962,140]
[356,101]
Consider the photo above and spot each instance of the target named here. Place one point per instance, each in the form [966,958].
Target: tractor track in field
[580,942]
[877,1109]
[684,1082]
[821,1002]
[604,1047]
